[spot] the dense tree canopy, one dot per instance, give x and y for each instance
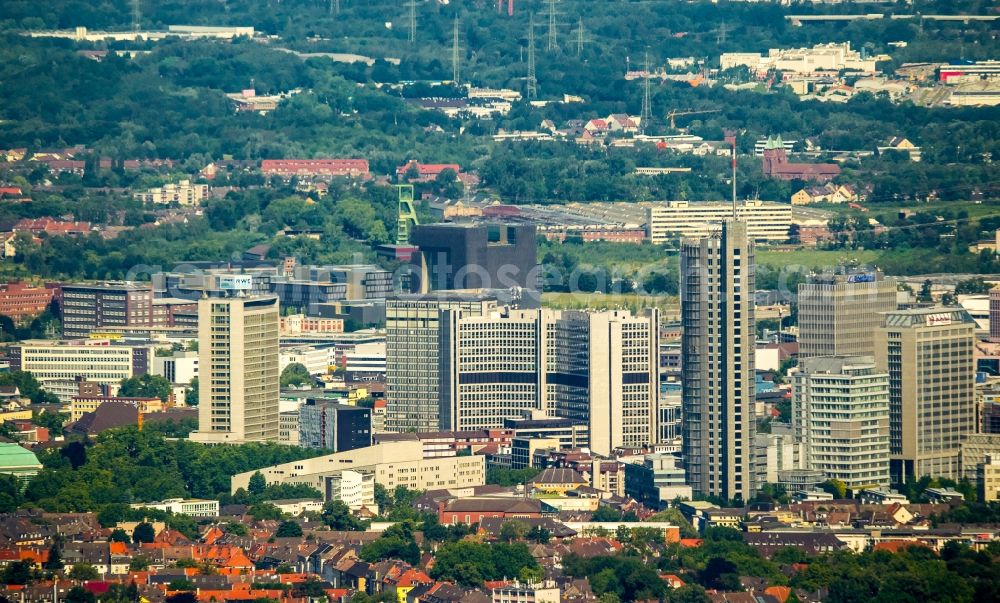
(125, 466)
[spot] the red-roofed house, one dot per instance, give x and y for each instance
(407, 581)
(19, 300)
(597, 126)
(898, 546)
(425, 172)
(316, 168)
(52, 227)
(781, 593)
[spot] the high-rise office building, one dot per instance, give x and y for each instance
(995, 314)
(490, 367)
(116, 304)
(335, 427)
(840, 413)
(928, 354)
(717, 314)
(593, 368)
(238, 369)
(475, 256)
(624, 379)
(839, 313)
(412, 372)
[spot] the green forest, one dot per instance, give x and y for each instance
(168, 102)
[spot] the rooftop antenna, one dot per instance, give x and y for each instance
(734, 176)
(532, 81)
(455, 53)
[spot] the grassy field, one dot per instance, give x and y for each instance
(668, 305)
(813, 258)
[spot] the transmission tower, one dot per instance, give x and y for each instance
(552, 25)
(646, 110)
(334, 7)
(136, 15)
(412, 5)
(720, 38)
(532, 82)
(455, 53)
(579, 37)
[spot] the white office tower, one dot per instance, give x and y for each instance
(929, 354)
(596, 368)
(239, 378)
(717, 314)
(840, 413)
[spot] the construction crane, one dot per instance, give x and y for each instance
(675, 113)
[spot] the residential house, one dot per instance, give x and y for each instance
(828, 193)
(414, 171)
(901, 145)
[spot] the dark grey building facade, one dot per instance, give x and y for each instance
(474, 256)
(336, 427)
(89, 307)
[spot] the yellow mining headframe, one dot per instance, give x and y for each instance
(407, 214)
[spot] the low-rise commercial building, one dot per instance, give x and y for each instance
(96, 360)
(696, 219)
(195, 507)
(18, 462)
(400, 463)
(332, 426)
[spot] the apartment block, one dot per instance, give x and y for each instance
(840, 412)
(764, 221)
(238, 366)
(182, 193)
(928, 354)
(19, 300)
(114, 304)
(839, 313)
(718, 379)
